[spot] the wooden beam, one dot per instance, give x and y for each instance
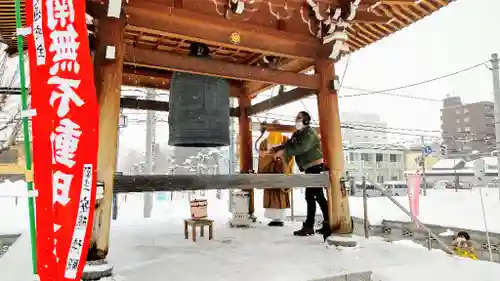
(246, 147)
(150, 183)
(252, 89)
(279, 100)
(215, 30)
(143, 104)
(108, 82)
(367, 17)
(160, 79)
(146, 78)
(331, 144)
(173, 62)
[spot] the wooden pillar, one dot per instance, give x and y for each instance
(331, 142)
(245, 139)
(108, 80)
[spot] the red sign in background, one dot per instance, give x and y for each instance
(65, 135)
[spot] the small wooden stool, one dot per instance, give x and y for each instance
(201, 223)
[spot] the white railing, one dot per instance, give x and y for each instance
(418, 222)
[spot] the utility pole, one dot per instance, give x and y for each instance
(496, 95)
(232, 152)
(422, 163)
(148, 167)
(121, 124)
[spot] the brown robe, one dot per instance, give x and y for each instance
(274, 198)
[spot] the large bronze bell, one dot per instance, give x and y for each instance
(199, 108)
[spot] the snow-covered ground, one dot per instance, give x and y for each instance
(155, 249)
(460, 209)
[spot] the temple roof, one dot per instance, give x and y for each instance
(161, 31)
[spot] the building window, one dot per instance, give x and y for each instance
(466, 110)
(365, 157)
(379, 157)
(458, 121)
(466, 119)
(351, 156)
(467, 129)
(458, 111)
(380, 178)
(393, 158)
(394, 178)
(459, 130)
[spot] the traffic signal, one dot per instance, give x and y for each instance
(444, 149)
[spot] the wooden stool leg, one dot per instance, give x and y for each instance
(186, 235)
(210, 231)
(194, 232)
(202, 231)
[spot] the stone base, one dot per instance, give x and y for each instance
(341, 241)
(353, 276)
(240, 220)
(98, 270)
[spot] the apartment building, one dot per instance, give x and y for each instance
(378, 163)
(370, 128)
(467, 127)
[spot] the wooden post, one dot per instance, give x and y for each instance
(245, 139)
(108, 74)
(331, 142)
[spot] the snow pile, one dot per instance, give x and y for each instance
(13, 218)
(460, 209)
(12, 189)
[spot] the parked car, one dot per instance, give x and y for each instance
(396, 188)
(371, 191)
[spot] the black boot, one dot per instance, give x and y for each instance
(276, 223)
(306, 230)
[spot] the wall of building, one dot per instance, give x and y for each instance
(365, 120)
(467, 126)
(378, 165)
(412, 158)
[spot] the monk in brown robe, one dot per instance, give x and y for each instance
(276, 201)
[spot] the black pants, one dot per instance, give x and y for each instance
(313, 195)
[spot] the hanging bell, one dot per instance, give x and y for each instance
(199, 107)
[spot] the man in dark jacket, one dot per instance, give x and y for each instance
(305, 146)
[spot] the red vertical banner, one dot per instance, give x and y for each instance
(65, 135)
(413, 182)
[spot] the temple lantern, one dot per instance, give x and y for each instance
(199, 107)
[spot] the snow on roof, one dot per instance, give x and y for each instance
(488, 161)
(447, 163)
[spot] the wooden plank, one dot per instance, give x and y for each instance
(193, 26)
(160, 79)
(279, 100)
(146, 79)
(149, 183)
(173, 62)
(143, 104)
(367, 17)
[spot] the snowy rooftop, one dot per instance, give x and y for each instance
(490, 162)
(447, 163)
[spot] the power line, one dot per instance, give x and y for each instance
(370, 92)
(420, 82)
(288, 117)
